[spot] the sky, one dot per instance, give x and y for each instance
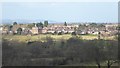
(62, 11)
(59, 0)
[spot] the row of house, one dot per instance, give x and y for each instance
(37, 30)
(55, 29)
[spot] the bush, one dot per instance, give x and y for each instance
(73, 33)
(60, 33)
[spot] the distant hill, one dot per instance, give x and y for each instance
(24, 21)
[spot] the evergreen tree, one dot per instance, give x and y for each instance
(19, 31)
(40, 24)
(14, 23)
(65, 24)
(45, 23)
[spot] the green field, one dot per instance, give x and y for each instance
(42, 37)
